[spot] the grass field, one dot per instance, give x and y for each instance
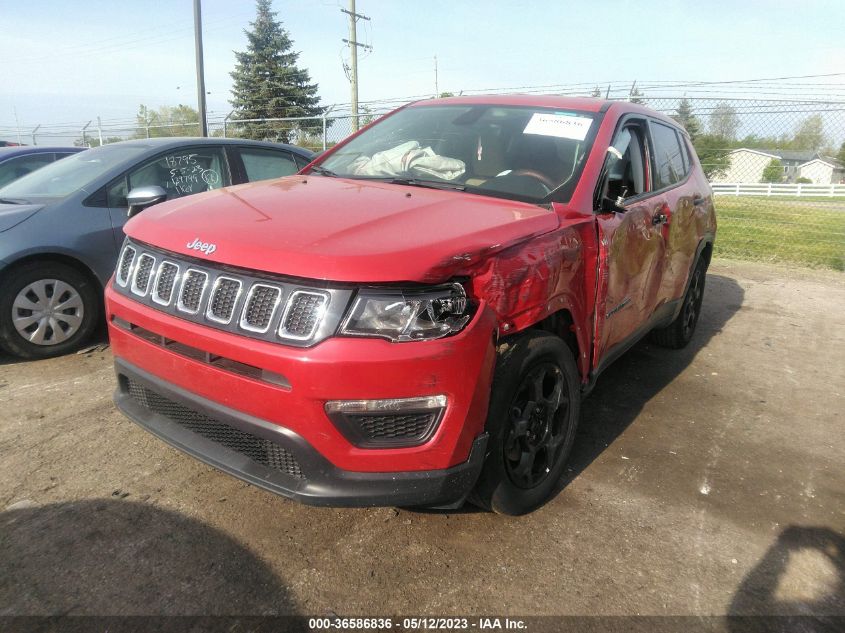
(807, 232)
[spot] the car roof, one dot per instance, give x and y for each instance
(180, 141)
(584, 104)
(23, 150)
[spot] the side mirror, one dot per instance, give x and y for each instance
(142, 197)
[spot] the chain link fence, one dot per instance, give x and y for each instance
(776, 166)
(777, 171)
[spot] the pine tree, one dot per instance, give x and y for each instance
(685, 117)
(635, 96)
(268, 83)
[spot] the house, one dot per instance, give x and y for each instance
(747, 165)
(823, 171)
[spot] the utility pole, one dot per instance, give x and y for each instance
(84, 140)
(436, 87)
(353, 44)
(100, 130)
(17, 124)
(200, 69)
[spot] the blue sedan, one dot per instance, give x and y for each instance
(16, 162)
(62, 225)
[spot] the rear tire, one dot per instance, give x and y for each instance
(46, 309)
(534, 408)
(680, 331)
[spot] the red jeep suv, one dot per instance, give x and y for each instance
(414, 318)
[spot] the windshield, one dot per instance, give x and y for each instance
(70, 174)
(521, 153)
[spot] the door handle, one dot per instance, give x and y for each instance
(659, 218)
(697, 200)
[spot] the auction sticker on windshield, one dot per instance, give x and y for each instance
(560, 125)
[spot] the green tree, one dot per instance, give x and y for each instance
(809, 134)
(713, 153)
(724, 121)
(267, 81)
(180, 120)
(685, 117)
(773, 172)
(635, 96)
(93, 140)
(841, 155)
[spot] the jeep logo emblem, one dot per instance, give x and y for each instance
(204, 247)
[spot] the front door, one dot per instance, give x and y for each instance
(631, 242)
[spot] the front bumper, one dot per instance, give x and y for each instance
(305, 476)
(291, 413)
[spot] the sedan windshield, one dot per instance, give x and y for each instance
(521, 153)
(70, 174)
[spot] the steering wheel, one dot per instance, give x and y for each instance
(536, 175)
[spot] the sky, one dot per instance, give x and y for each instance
(67, 62)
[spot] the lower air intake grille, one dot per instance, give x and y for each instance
(258, 449)
(394, 427)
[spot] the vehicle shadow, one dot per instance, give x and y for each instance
(798, 585)
(627, 385)
(122, 558)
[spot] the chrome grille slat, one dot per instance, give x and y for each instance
(303, 313)
(260, 307)
(165, 282)
(125, 266)
(224, 296)
(191, 293)
(254, 305)
(143, 272)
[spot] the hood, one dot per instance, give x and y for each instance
(339, 229)
(13, 214)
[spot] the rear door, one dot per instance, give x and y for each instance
(631, 241)
(672, 171)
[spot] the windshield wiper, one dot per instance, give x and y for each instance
(429, 184)
(322, 171)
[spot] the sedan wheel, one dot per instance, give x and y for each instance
(46, 309)
(47, 312)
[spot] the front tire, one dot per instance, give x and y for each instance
(534, 408)
(46, 309)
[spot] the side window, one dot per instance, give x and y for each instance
(668, 160)
(14, 168)
(625, 166)
(180, 173)
(262, 164)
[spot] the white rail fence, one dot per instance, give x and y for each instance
(769, 189)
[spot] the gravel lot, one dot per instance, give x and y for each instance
(705, 481)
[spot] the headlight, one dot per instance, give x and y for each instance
(408, 315)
